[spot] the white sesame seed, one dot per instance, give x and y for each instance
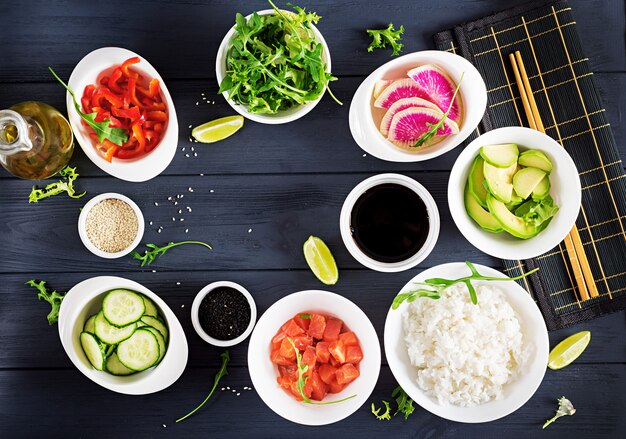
(159, 231)
(189, 126)
(222, 389)
(202, 94)
(182, 219)
(211, 191)
(187, 155)
(213, 102)
(180, 211)
(197, 103)
(183, 148)
(201, 175)
(195, 154)
(227, 388)
(156, 204)
(177, 283)
(204, 99)
(169, 198)
(364, 155)
(164, 426)
(175, 203)
(189, 208)
(238, 394)
(150, 222)
(192, 148)
(249, 230)
(233, 390)
(182, 196)
(154, 271)
(173, 219)
(186, 230)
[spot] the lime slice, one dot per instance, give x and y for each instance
(320, 260)
(568, 350)
(217, 129)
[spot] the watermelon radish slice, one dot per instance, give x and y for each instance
(380, 85)
(438, 86)
(403, 104)
(407, 126)
(400, 89)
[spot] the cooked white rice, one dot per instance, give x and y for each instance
(464, 353)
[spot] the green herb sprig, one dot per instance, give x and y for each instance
(380, 38)
(274, 62)
(102, 129)
(386, 416)
(220, 373)
(566, 408)
(305, 316)
(150, 255)
(66, 184)
(434, 127)
(435, 286)
(302, 377)
(405, 404)
(53, 298)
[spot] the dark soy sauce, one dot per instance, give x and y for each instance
(389, 223)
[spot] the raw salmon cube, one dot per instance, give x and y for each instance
(346, 374)
(327, 373)
(286, 350)
(303, 323)
(292, 329)
(302, 342)
(319, 387)
(353, 354)
(317, 326)
(333, 328)
(322, 352)
(338, 351)
(309, 357)
(349, 338)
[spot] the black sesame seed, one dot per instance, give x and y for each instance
(224, 313)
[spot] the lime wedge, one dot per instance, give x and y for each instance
(217, 129)
(320, 260)
(568, 350)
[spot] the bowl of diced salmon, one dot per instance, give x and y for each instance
(314, 357)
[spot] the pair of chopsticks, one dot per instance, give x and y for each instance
(575, 250)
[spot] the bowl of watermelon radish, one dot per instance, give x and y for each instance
(514, 193)
(314, 357)
(418, 106)
(122, 336)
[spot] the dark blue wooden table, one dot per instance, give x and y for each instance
(256, 197)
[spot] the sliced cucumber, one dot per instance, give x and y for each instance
(500, 181)
(89, 327)
(161, 340)
(140, 351)
(542, 190)
(93, 350)
(526, 180)
(480, 215)
(122, 307)
(110, 334)
(476, 179)
(500, 156)
(535, 159)
(115, 366)
(156, 324)
(151, 309)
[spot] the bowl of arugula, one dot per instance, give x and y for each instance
(273, 66)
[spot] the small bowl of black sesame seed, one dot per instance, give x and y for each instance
(223, 313)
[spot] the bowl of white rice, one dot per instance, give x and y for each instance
(468, 362)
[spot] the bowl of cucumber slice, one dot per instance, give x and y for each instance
(122, 336)
(514, 193)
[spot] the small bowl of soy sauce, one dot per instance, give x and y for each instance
(389, 223)
(223, 313)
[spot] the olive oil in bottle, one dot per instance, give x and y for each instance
(36, 141)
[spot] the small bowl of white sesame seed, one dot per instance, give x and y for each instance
(110, 225)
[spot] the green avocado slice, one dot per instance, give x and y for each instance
(484, 219)
(476, 179)
(535, 159)
(509, 222)
(500, 181)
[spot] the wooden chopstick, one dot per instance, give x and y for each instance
(575, 250)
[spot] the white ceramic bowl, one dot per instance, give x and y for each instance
(346, 232)
(264, 373)
(140, 169)
(85, 299)
(286, 116)
(82, 228)
(516, 393)
(366, 132)
(565, 191)
(196, 321)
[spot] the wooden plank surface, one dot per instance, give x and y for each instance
(262, 193)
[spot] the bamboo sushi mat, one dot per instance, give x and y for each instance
(570, 108)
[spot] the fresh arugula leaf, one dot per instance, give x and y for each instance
(53, 298)
(535, 213)
(434, 127)
(150, 255)
(220, 374)
(102, 129)
(566, 408)
(69, 175)
(274, 62)
(386, 416)
(302, 377)
(380, 38)
(405, 404)
(436, 285)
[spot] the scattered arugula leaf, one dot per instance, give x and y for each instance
(405, 404)
(434, 286)
(302, 377)
(220, 373)
(53, 298)
(566, 408)
(66, 184)
(386, 416)
(380, 38)
(535, 213)
(305, 316)
(150, 255)
(434, 127)
(102, 129)
(274, 62)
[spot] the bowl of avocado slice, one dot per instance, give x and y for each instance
(514, 193)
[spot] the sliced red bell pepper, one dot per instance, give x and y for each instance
(115, 76)
(104, 97)
(158, 116)
(126, 64)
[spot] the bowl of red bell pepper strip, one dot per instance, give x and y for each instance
(128, 126)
